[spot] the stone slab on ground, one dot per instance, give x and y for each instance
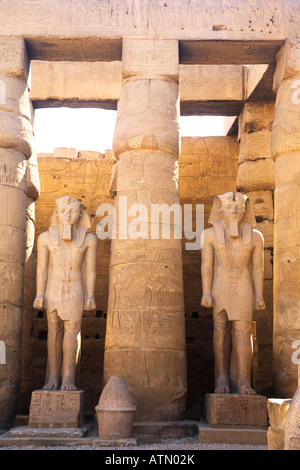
(26, 432)
(24, 436)
(236, 410)
(147, 432)
(232, 435)
(157, 434)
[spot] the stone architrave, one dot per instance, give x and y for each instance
(232, 278)
(285, 145)
(15, 149)
(66, 276)
(145, 335)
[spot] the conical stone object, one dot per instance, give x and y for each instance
(115, 410)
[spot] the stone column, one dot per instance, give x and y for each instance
(145, 338)
(256, 179)
(15, 148)
(286, 154)
(33, 192)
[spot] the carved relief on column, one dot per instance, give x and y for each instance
(286, 153)
(145, 338)
(15, 148)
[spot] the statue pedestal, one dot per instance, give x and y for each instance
(234, 419)
(56, 409)
(236, 410)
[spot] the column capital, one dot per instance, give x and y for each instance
(150, 58)
(14, 58)
(287, 63)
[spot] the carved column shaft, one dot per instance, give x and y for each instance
(145, 339)
(286, 153)
(256, 179)
(15, 148)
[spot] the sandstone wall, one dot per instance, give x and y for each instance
(207, 166)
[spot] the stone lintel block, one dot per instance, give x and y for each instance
(288, 63)
(202, 82)
(86, 81)
(14, 58)
(236, 410)
(150, 58)
(56, 409)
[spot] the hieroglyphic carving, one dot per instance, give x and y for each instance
(8, 55)
(56, 409)
(161, 58)
(236, 410)
(12, 175)
(142, 15)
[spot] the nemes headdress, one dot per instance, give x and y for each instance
(247, 222)
(83, 224)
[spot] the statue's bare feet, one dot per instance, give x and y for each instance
(52, 383)
(68, 385)
(222, 385)
(245, 389)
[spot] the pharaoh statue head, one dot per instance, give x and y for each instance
(232, 210)
(69, 214)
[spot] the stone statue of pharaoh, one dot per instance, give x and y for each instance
(232, 279)
(66, 276)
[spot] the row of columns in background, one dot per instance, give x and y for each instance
(145, 341)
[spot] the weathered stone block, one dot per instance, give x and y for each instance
(152, 58)
(256, 117)
(244, 410)
(255, 146)
(56, 409)
(13, 57)
(256, 175)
